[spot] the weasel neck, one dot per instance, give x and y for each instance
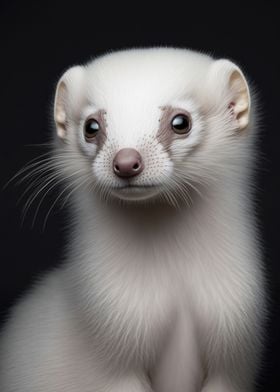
(105, 230)
(133, 223)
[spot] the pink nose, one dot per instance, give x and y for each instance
(127, 163)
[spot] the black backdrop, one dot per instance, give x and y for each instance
(39, 40)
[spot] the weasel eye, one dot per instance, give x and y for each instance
(181, 124)
(91, 128)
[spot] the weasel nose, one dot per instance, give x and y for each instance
(127, 163)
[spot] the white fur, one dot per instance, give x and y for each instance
(162, 291)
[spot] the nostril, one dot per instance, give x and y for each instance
(136, 166)
(116, 167)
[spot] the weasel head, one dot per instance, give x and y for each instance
(146, 124)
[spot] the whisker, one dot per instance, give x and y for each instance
(45, 167)
(24, 168)
(56, 160)
(80, 183)
(47, 144)
(48, 191)
(34, 174)
(37, 181)
(37, 191)
(88, 178)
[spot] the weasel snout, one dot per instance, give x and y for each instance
(128, 163)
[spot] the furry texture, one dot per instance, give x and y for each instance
(163, 286)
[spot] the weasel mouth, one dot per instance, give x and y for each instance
(130, 186)
(135, 192)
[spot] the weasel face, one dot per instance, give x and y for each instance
(147, 123)
(131, 153)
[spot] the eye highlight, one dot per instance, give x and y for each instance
(91, 129)
(181, 124)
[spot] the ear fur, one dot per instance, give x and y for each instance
(233, 90)
(67, 95)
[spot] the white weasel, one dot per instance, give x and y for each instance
(163, 287)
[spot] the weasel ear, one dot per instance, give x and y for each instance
(234, 90)
(67, 96)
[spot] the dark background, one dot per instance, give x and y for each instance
(39, 40)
